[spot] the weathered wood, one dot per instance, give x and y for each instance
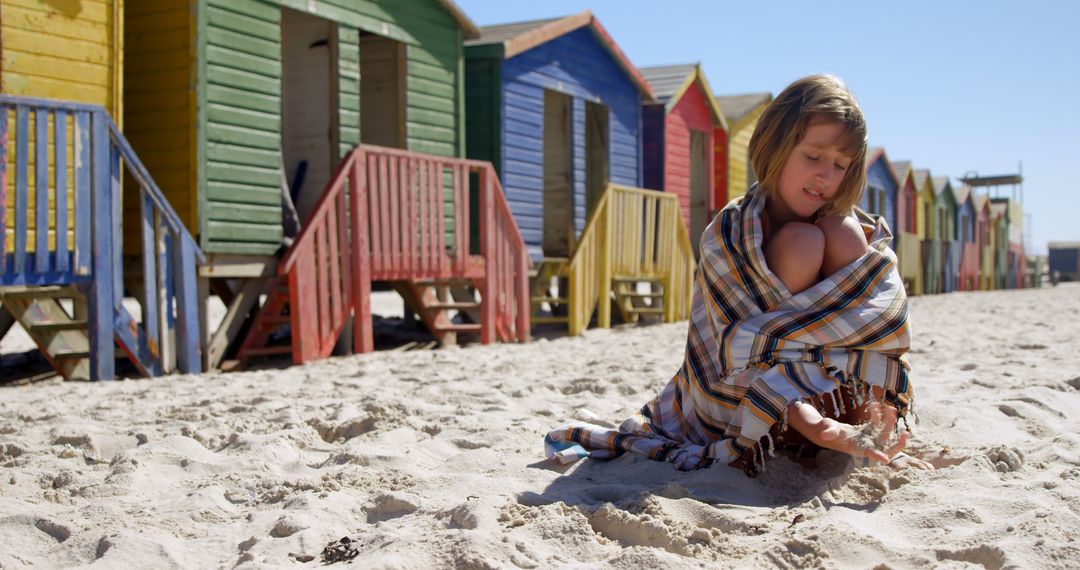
(60, 183)
(363, 337)
(22, 149)
(101, 289)
(83, 187)
(3, 188)
(236, 313)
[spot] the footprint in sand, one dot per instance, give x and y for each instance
(989, 557)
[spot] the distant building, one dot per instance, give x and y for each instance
(1065, 260)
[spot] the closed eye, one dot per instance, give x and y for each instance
(813, 158)
(841, 167)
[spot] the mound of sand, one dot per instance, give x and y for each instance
(429, 459)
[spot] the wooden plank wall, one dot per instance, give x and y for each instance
(242, 67)
(482, 110)
(740, 172)
(63, 50)
(58, 51)
(240, 153)
(159, 105)
(578, 65)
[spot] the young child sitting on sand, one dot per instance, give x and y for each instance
(799, 318)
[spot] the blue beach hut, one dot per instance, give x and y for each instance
(556, 106)
(879, 197)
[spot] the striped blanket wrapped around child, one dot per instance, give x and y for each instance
(752, 348)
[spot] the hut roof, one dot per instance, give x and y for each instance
(1064, 245)
(670, 82)
(736, 107)
(962, 193)
(921, 174)
(463, 21)
(941, 183)
(902, 168)
(876, 153)
(518, 37)
(979, 200)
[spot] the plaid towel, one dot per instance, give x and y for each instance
(752, 348)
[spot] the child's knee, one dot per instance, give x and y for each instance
(795, 254)
(844, 241)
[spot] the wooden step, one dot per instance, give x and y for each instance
(646, 310)
(458, 328)
(71, 354)
(56, 326)
(452, 305)
(544, 320)
(637, 295)
(50, 291)
(536, 300)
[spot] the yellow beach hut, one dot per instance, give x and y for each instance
(741, 113)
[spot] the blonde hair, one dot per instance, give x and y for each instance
(813, 99)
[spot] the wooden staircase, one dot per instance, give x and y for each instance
(62, 338)
(546, 292)
(405, 218)
(634, 238)
(448, 307)
(635, 305)
(66, 242)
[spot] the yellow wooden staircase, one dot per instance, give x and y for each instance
(634, 254)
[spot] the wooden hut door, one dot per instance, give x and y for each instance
(597, 151)
(558, 203)
(308, 106)
(382, 91)
(699, 187)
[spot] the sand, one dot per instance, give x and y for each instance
(431, 459)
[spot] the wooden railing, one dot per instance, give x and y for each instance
(76, 155)
(632, 233)
(909, 250)
(392, 215)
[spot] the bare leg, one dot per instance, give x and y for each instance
(846, 438)
(794, 254)
(844, 242)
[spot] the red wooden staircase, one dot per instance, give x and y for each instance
(401, 217)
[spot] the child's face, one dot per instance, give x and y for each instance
(813, 172)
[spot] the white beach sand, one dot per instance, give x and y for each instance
(432, 459)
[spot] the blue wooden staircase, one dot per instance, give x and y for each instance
(61, 246)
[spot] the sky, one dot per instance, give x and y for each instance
(959, 87)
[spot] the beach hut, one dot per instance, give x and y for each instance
(63, 273)
(983, 228)
(252, 112)
(557, 107)
(679, 132)
(882, 185)
(966, 230)
(1017, 257)
(1010, 250)
(907, 242)
(929, 231)
(1064, 260)
(999, 222)
(742, 113)
(952, 250)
